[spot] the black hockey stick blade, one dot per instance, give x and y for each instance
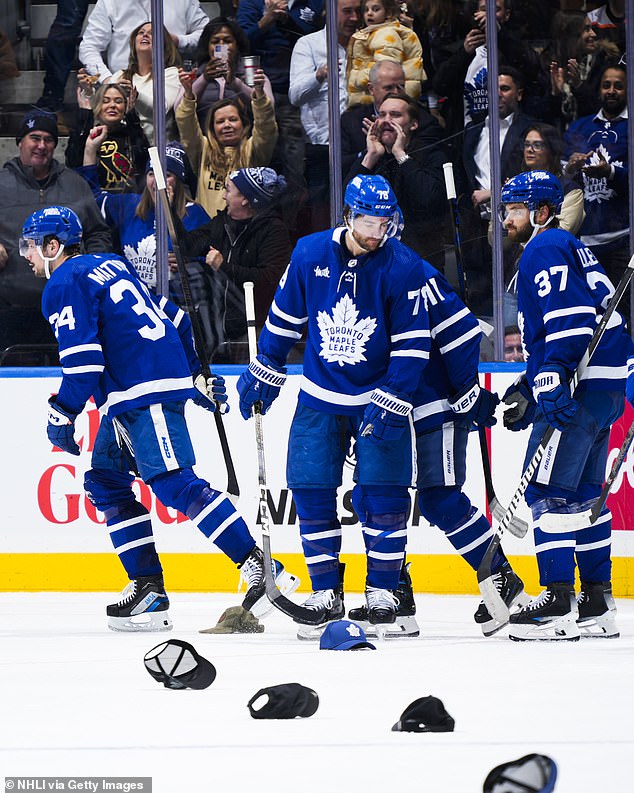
(616, 467)
(233, 488)
(517, 527)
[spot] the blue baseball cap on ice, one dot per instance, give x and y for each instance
(344, 635)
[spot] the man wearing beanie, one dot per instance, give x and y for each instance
(28, 182)
(246, 241)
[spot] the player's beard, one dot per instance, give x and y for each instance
(368, 244)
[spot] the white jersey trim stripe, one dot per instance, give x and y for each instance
(430, 408)
(82, 369)
(411, 334)
(333, 397)
(388, 534)
(143, 389)
(208, 509)
(386, 557)
(552, 546)
(324, 557)
(460, 340)
(446, 323)
(290, 334)
(80, 348)
(605, 373)
(568, 312)
(224, 525)
(288, 317)
(322, 535)
(591, 546)
(566, 334)
(409, 354)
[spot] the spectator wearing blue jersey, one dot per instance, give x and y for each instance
(134, 354)
(355, 291)
(596, 156)
(132, 217)
(562, 291)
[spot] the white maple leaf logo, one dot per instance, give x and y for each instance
(344, 336)
(598, 189)
(143, 259)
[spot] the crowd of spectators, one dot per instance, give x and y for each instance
(247, 93)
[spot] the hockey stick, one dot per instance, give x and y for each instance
(616, 467)
(517, 527)
(450, 187)
(199, 340)
(294, 610)
(494, 603)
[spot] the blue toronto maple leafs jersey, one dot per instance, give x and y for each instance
(365, 320)
(116, 343)
(455, 352)
(562, 291)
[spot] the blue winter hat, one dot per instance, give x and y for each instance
(258, 185)
(344, 635)
(40, 121)
(175, 158)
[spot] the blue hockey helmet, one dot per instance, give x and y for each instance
(533, 188)
(54, 221)
(369, 194)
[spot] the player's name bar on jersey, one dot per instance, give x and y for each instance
(92, 784)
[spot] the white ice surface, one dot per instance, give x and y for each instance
(75, 699)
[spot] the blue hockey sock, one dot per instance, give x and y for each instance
(320, 532)
(385, 537)
(210, 510)
(554, 535)
(130, 530)
(593, 549)
(466, 528)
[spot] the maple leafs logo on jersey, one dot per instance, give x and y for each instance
(344, 335)
(143, 258)
(598, 189)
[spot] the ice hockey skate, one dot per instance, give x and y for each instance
(597, 611)
(405, 624)
(551, 616)
(252, 574)
(142, 606)
(511, 589)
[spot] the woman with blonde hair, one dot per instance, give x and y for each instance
(138, 75)
(228, 141)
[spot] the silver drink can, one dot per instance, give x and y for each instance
(250, 63)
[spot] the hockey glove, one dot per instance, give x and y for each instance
(476, 404)
(261, 382)
(552, 394)
(629, 384)
(61, 427)
(386, 416)
(520, 410)
(211, 393)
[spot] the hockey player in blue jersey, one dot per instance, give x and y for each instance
(134, 354)
(448, 402)
(562, 291)
(357, 293)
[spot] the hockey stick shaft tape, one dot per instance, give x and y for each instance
(156, 167)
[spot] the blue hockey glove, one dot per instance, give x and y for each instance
(629, 384)
(61, 427)
(386, 416)
(476, 404)
(520, 410)
(211, 394)
(552, 394)
(261, 382)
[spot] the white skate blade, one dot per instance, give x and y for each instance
(602, 627)
(553, 630)
(403, 628)
(148, 622)
(310, 633)
(493, 626)
(286, 582)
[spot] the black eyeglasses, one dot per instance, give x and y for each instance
(534, 145)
